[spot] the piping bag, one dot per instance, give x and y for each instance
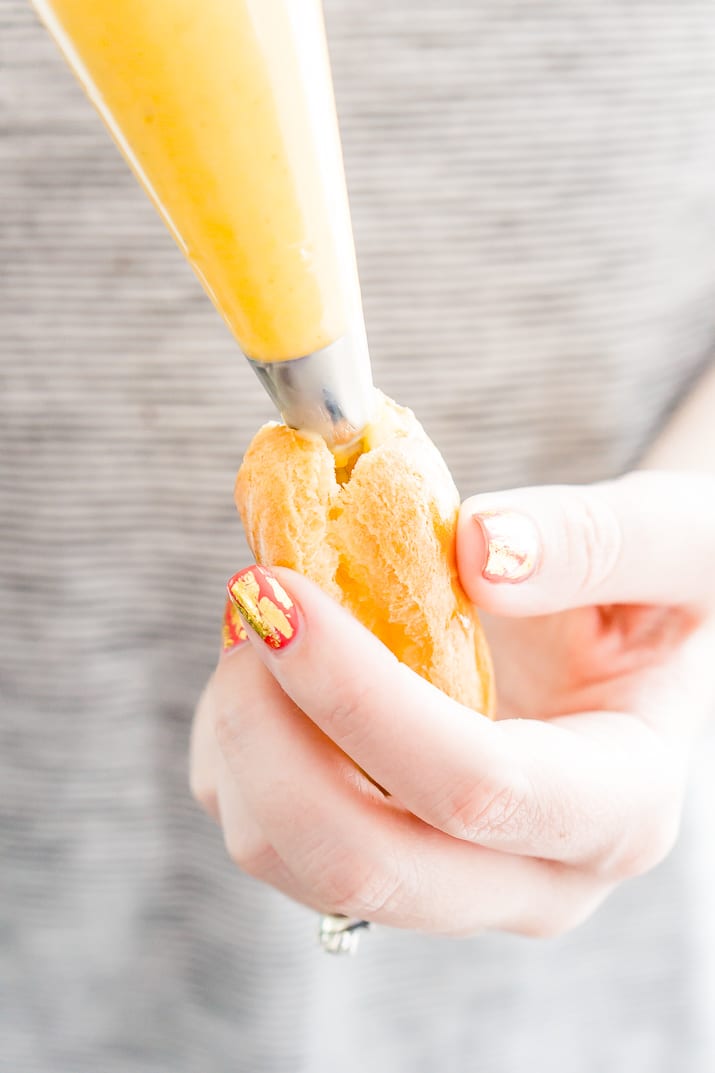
(224, 110)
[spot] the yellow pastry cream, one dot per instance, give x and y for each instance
(224, 110)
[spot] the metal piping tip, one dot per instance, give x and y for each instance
(329, 392)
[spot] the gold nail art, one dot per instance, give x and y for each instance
(233, 631)
(265, 605)
(512, 545)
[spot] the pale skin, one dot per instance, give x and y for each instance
(605, 662)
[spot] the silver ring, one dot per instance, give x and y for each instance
(338, 934)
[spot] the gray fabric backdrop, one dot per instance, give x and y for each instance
(533, 189)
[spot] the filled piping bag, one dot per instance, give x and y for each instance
(224, 110)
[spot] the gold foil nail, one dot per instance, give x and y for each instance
(513, 545)
(265, 605)
(233, 631)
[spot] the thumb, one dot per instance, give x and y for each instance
(647, 538)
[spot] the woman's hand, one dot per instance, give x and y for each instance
(600, 602)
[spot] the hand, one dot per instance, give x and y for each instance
(605, 670)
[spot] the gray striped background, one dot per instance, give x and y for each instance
(533, 189)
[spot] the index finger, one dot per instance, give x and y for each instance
(588, 789)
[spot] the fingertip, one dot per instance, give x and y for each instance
(471, 553)
(233, 630)
(267, 610)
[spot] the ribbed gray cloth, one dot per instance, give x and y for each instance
(533, 191)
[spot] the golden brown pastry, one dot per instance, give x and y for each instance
(381, 542)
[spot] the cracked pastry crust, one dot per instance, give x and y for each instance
(381, 541)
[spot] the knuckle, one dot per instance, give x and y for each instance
(651, 847)
(660, 808)
(563, 914)
(345, 712)
(227, 729)
(253, 855)
(540, 928)
(476, 812)
(351, 698)
(357, 888)
(594, 540)
(204, 793)
(551, 925)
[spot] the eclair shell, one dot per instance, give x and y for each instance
(382, 543)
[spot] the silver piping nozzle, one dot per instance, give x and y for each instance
(329, 392)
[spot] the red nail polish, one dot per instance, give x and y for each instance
(233, 630)
(264, 605)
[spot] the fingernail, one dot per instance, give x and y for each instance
(233, 631)
(264, 605)
(512, 545)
